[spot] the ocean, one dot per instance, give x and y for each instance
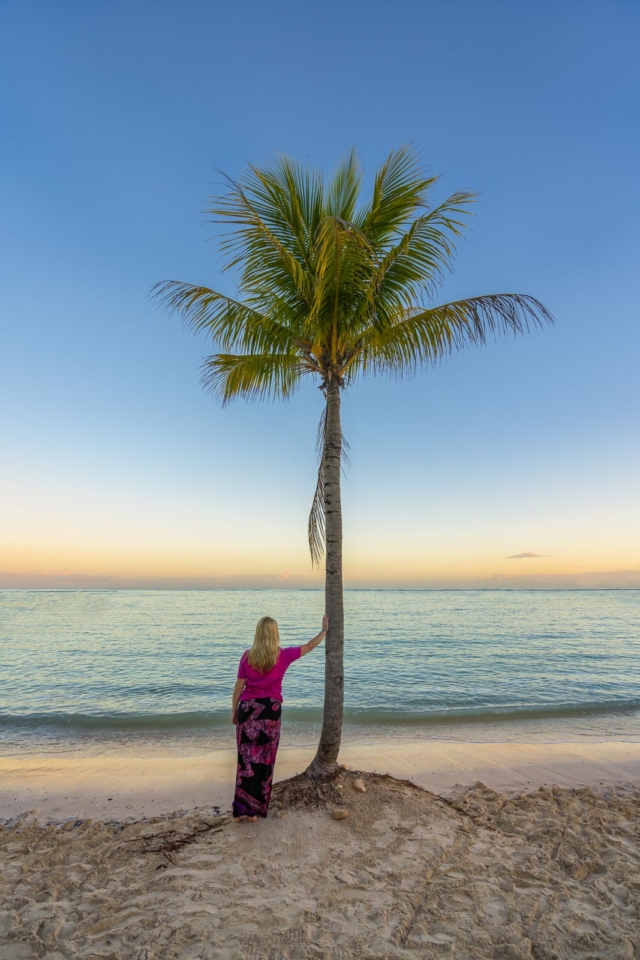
(95, 672)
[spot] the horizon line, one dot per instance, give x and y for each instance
(492, 589)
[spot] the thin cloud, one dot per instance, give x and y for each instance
(527, 556)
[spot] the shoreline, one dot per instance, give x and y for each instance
(111, 787)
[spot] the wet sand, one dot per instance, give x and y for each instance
(121, 787)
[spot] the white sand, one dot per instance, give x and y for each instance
(121, 787)
(554, 875)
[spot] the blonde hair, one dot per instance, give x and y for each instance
(266, 646)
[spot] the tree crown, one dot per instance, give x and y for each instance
(334, 286)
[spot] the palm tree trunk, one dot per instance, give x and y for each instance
(325, 762)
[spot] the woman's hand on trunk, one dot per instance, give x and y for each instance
(312, 644)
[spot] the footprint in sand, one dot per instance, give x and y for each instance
(496, 908)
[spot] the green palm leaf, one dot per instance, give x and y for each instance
(253, 376)
(424, 336)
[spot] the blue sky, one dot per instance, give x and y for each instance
(118, 468)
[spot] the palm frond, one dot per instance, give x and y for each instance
(317, 520)
(416, 264)
(231, 323)
(342, 193)
(414, 267)
(400, 189)
(267, 255)
(343, 267)
(273, 376)
(473, 320)
(425, 336)
(290, 198)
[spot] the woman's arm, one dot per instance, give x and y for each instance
(237, 690)
(312, 644)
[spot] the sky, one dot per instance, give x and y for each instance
(512, 465)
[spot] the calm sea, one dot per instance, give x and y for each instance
(147, 671)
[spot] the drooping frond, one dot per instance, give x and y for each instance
(317, 521)
(254, 376)
(474, 320)
(316, 525)
(424, 336)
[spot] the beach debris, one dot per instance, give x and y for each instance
(359, 786)
(171, 841)
(339, 788)
(339, 814)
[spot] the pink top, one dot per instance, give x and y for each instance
(266, 684)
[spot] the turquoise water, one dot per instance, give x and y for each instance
(96, 671)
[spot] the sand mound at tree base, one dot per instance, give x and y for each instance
(553, 874)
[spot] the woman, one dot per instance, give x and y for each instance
(255, 712)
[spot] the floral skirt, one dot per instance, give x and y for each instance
(257, 736)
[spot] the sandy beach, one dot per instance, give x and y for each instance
(139, 858)
(322, 407)
(118, 787)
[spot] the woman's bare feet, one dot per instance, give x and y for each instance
(245, 819)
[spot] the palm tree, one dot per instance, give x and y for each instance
(331, 289)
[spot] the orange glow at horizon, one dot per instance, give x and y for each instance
(141, 529)
(185, 563)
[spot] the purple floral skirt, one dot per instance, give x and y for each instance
(257, 736)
